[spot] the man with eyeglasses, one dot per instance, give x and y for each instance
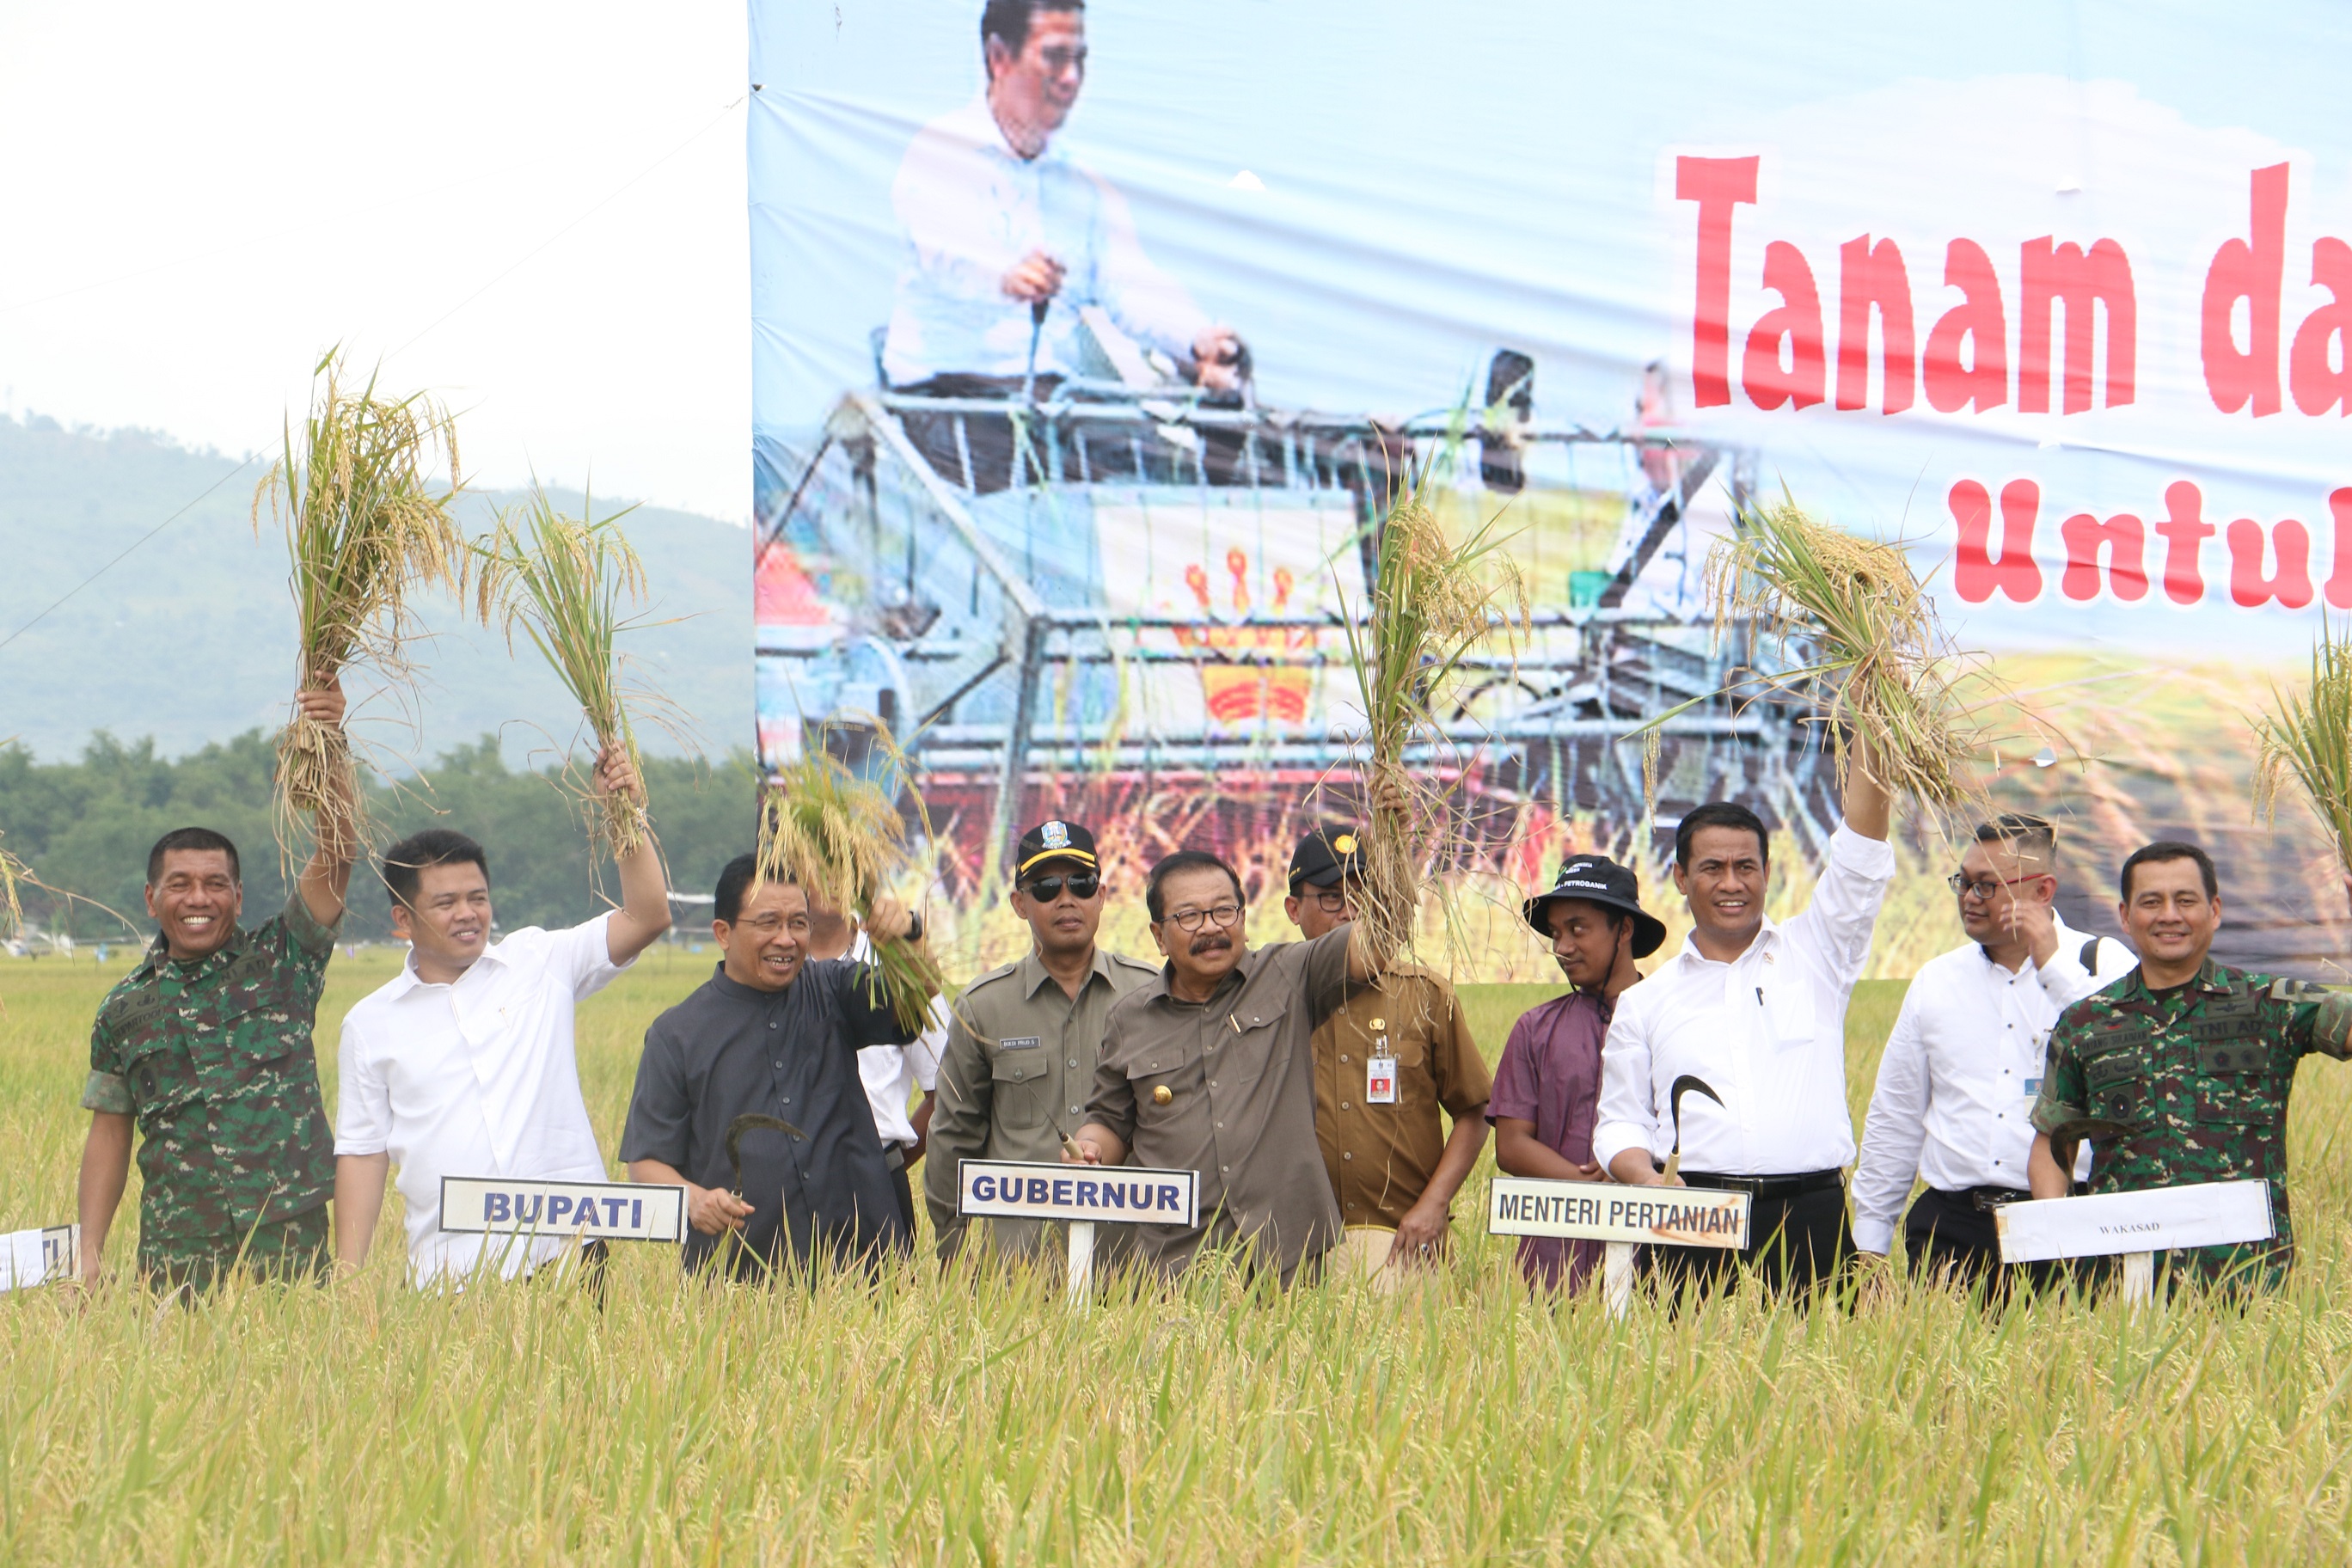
(1211, 1068)
(1385, 1061)
(1963, 1065)
(1024, 1039)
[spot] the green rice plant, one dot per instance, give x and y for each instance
(1432, 603)
(2308, 734)
(365, 526)
(840, 839)
(562, 580)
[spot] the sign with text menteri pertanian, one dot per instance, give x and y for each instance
(1605, 1211)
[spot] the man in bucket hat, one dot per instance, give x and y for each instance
(1385, 1062)
(1548, 1084)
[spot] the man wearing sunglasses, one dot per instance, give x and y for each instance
(1211, 1068)
(1963, 1066)
(1385, 1062)
(1023, 1039)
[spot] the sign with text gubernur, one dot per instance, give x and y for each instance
(1604, 1211)
(1008, 1189)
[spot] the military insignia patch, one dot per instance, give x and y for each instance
(1345, 843)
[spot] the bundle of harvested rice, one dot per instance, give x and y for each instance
(1894, 679)
(2309, 734)
(841, 840)
(364, 526)
(1433, 603)
(13, 871)
(561, 580)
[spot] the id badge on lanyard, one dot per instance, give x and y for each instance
(1380, 1069)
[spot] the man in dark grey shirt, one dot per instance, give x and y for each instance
(773, 1033)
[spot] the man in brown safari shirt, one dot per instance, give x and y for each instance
(1210, 1067)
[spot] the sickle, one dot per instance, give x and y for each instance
(1689, 1083)
(742, 1124)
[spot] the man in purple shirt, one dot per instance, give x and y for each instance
(1548, 1086)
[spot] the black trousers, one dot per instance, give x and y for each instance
(1949, 1238)
(904, 1190)
(1797, 1245)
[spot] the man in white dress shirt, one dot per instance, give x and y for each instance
(1007, 237)
(463, 1065)
(1962, 1068)
(1755, 1010)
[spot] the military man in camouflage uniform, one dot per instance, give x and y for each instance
(205, 1047)
(2180, 1071)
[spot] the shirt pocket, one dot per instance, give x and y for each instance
(1019, 1081)
(1790, 1015)
(2115, 1084)
(162, 1081)
(2235, 1086)
(1174, 1068)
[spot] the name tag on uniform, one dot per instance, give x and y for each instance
(1021, 1043)
(1380, 1080)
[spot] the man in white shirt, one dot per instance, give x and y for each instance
(1007, 237)
(893, 1075)
(1756, 1011)
(463, 1065)
(1963, 1066)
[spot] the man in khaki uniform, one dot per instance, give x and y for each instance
(1384, 1063)
(1210, 1068)
(1023, 1039)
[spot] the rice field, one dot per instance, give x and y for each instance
(969, 1419)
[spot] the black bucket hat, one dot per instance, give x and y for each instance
(1598, 879)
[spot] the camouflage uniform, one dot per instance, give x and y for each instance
(2192, 1086)
(213, 1059)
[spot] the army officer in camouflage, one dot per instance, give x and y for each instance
(1024, 1039)
(205, 1048)
(2180, 1071)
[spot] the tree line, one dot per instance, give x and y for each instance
(84, 828)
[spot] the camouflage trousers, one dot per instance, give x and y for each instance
(294, 1248)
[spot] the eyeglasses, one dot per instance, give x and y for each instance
(1984, 888)
(1330, 900)
(1189, 921)
(1045, 889)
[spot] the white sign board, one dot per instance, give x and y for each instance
(1602, 1211)
(1007, 1189)
(614, 1211)
(2211, 1214)
(30, 1258)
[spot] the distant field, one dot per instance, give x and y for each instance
(971, 1420)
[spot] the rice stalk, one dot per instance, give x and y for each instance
(841, 840)
(13, 872)
(562, 580)
(2308, 734)
(1432, 603)
(364, 529)
(1894, 681)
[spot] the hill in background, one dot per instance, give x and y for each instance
(190, 639)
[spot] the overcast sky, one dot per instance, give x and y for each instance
(536, 209)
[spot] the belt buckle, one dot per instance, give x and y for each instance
(1988, 1199)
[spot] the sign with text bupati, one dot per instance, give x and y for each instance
(614, 1211)
(2208, 1214)
(1604, 1211)
(39, 1256)
(1008, 1189)
(1083, 352)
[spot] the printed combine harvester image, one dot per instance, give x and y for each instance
(1083, 595)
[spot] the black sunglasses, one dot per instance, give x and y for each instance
(1045, 889)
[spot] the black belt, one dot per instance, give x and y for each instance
(1984, 1200)
(894, 1156)
(1768, 1187)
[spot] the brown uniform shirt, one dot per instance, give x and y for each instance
(1019, 1065)
(1240, 1072)
(1381, 1157)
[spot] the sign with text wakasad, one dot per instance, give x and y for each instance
(30, 1258)
(2209, 1213)
(614, 1211)
(1600, 1210)
(1008, 1189)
